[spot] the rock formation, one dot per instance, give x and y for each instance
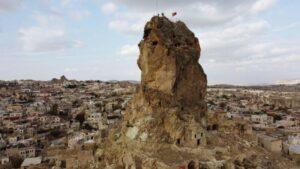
(62, 79)
(169, 55)
(169, 106)
(164, 127)
(168, 112)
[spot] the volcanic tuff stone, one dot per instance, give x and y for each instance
(169, 54)
(169, 106)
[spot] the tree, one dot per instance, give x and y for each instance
(16, 161)
(222, 105)
(277, 117)
(54, 109)
(55, 133)
(6, 166)
(87, 126)
(80, 117)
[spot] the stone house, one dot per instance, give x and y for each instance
(13, 139)
(288, 121)
(2, 143)
(43, 119)
(15, 115)
(28, 162)
(26, 152)
(195, 136)
(55, 119)
(4, 160)
(94, 117)
(75, 139)
(272, 144)
(291, 147)
(262, 119)
(243, 128)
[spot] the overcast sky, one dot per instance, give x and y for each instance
(242, 41)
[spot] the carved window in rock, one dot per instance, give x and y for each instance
(191, 165)
(178, 141)
(177, 44)
(215, 127)
(154, 43)
(147, 32)
(208, 128)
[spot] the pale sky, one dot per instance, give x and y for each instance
(242, 41)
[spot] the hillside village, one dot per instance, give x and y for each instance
(59, 123)
(271, 117)
(38, 118)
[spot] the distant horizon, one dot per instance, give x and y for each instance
(109, 80)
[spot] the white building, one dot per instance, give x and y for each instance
(292, 146)
(31, 162)
(288, 121)
(94, 117)
(262, 119)
(4, 160)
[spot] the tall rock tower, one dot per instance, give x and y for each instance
(169, 55)
(169, 106)
(168, 113)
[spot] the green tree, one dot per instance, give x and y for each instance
(16, 161)
(80, 117)
(54, 109)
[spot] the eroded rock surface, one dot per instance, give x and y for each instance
(169, 55)
(169, 107)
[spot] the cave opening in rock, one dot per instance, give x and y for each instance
(154, 43)
(147, 32)
(191, 165)
(215, 127)
(198, 142)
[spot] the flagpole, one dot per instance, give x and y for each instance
(156, 6)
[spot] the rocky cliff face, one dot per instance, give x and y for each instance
(169, 107)
(169, 55)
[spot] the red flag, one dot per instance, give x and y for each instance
(174, 13)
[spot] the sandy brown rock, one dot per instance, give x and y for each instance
(169, 55)
(169, 107)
